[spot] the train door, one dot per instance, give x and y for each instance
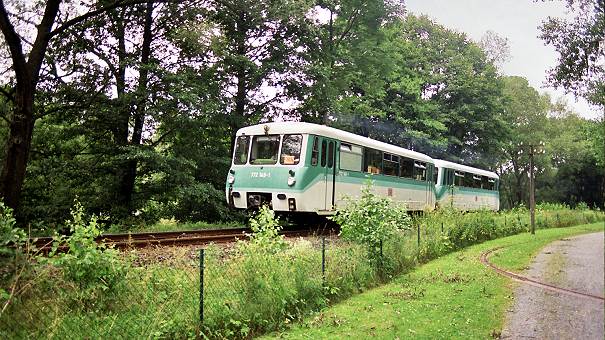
(429, 184)
(328, 164)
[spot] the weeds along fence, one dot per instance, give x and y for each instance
(228, 292)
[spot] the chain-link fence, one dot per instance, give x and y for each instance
(232, 291)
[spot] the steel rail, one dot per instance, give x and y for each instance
(532, 282)
(182, 238)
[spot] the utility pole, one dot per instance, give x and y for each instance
(533, 149)
(532, 191)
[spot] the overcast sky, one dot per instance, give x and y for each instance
(516, 20)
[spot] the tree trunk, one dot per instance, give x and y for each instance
(238, 119)
(129, 174)
(27, 73)
(17, 148)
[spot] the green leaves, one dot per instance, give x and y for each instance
(265, 236)
(578, 41)
(94, 268)
(371, 219)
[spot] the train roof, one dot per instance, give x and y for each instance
(322, 130)
(441, 163)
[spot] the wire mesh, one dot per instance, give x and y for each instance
(246, 289)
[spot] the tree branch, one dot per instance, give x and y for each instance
(14, 44)
(116, 4)
(350, 23)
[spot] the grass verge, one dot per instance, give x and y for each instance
(452, 297)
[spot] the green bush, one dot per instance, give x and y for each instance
(370, 220)
(96, 270)
(11, 237)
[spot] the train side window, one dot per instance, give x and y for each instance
(420, 171)
(468, 180)
(485, 183)
(407, 167)
(331, 155)
(476, 181)
(290, 149)
(435, 173)
(492, 184)
(323, 152)
(391, 164)
(351, 157)
(373, 161)
(315, 151)
(459, 178)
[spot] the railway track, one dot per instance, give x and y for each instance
(186, 238)
(532, 282)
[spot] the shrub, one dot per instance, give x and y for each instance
(11, 237)
(95, 269)
(265, 236)
(370, 220)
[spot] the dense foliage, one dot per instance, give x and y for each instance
(132, 107)
(257, 286)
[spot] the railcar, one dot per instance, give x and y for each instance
(308, 168)
(466, 188)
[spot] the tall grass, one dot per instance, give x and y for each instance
(248, 288)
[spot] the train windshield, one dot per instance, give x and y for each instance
(290, 149)
(241, 150)
(264, 149)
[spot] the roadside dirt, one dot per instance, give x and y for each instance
(575, 263)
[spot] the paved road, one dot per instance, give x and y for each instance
(576, 263)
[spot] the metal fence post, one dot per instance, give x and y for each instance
(504, 221)
(202, 285)
(323, 261)
(558, 220)
(442, 227)
(381, 263)
(419, 235)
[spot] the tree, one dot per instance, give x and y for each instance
(253, 52)
(496, 48)
(26, 67)
(580, 43)
(342, 57)
(130, 50)
(437, 93)
(574, 176)
(526, 113)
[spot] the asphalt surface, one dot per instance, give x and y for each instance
(576, 263)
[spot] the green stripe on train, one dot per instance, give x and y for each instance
(275, 178)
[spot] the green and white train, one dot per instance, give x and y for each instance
(309, 168)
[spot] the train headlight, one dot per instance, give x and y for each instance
(230, 179)
(291, 181)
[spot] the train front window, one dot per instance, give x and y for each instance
(240, 155)
(290, 149)
(264, 149)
